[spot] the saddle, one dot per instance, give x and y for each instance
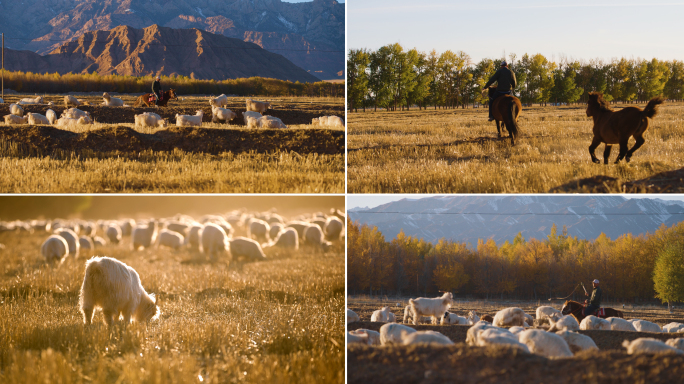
(151, 99)
(601, 312)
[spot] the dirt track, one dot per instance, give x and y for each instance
(45, 139)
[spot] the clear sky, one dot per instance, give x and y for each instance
(576, 29)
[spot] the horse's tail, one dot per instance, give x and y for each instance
(651, 108)
(512, 112)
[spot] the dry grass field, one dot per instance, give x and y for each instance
(457, 151)
(113, 155)
(278, 321)
(461, 363)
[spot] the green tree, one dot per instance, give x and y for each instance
(357, 77)
(668, 274)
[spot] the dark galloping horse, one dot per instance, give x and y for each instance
(505, 110)
(612, 127)
(576, 309)
(148, 98)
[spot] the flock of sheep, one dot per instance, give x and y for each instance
(511, 327)
(73, 116)
(115, 287)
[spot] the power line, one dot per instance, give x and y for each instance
(520, 214)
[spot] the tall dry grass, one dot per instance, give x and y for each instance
(457, 151)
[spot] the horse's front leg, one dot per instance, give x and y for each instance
(639, 142)
(606, 153)
(623, 150)
(594, 144)
(498, 129)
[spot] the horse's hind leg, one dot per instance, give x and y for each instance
(606, 153)
(639, 142)
(498, 128)
(594, 143)
(623, 149)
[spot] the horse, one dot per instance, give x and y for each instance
(576, 310)
(505, 110)
(612, 127)
(148, 98)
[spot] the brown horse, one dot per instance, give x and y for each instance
(148, 98)
(505, 110)
(612, 127)
(576, 310)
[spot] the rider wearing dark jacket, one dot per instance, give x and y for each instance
(156, 89)
(595, 300)
(505, 79)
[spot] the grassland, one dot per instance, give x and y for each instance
(457, 151)
(300, 159)
(278, 321)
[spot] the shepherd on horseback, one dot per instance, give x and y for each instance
(594, 303)
(505, 79)
(156, 89)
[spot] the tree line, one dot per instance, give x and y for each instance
(27, 82)
(522, 269)
(393, 78)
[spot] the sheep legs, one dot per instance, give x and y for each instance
(88, 315)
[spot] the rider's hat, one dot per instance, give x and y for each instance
(157, 77)
(595, 281)
(504, 63)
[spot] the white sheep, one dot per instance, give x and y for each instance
(67, 122)
(392, 333)
(244, 248)
(673, 327)
(29, 101)
(16, 110)
(110, 101)
(299, 226)
(425, 337)
(71, 238)
(497, 336)
(75, 113)
(352, 316)
(37, 118)
(676, 343)
(373, 336)
(563, 323)
(332, 121)
(452, 318)
(391, 318)
(51, 116)
(193, 237)
(333, 228)
(545, 343)
(115, 287)
(86, 242)
(313, 235)
(594, 323)
(70, 100)
(433, 307)
(509, 316)
(251, 119)
(576, 341)
(474, 331)
(219, 114)
(381, 315)
(516, 329)
(650, 346)
(190, 121)
(54, 248)
(258, 229)
(113, 233)
(14, 119)
(257, 106)
(219, 101)
(645, 326)
(275, 229)
(359, 338)
(618, 324)
(287, 238)
(545, 311)
(99, 242)
(143, 236)
(213, 240)
(529, 320)
(170, 239)
(150, 119)
(267, 121)
(178, 227)
(473, 318)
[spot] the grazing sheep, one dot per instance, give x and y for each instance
(16, 110)
(115, 287)
(676, 343)
(391, 318)
(270, 122)
(352, 316)
(244, 248)
(516, 329)
(99, 242)
(474, 331)
(381, 315)
(592, 322)
(576, 341)
(452, 318)
(178, 227)
(219, 114)
(71, 238)
(127, 226)
(75, 113)
(313, 235)
(497, 336)
(67, 122)
(373, 336)
(433, 307)
(54, 248)
(333, 228)
(258, 229)
(618, 324)
(190, 121)
(194, 236)
(70, 100)
(14, 119)
(529, 320)
(257, 106)
(213, 240)
(143, 236)
(37, 118)
(673, 327)
(392, 333)
(219, 101)
(650, 346)
(251, 119)
(150, 119)
(645, 326)
(425, 337)
(51, 116)
(275, 229)
(563, 323)
(170, 239)
(287, 238)
(332, 121)
(86, 242)
(509, 317)
(545, 343)
(544, 311)
(29, 101)
(299, 226)
(113, 233)
(111, 101)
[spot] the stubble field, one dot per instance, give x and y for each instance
(457, 151)
(113, 155)
(277, 321)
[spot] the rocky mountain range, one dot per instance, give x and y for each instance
(469, 218)
(310, 34)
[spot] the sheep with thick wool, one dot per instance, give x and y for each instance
(576, 341)
(219, 114)
(113, 233)
(220, 101)
(71, 238)
(30, 101)
(14, 119)
(150, 119)
(213, 241)
(37, 118)
(193, 237)
(71, 101)
(381, 315)
(51, 116)
(497, 336)
(373, 337)
(54, 248)
(474, 331)
(257, 106)
(85, 242)
(676, 343)
(242, 248)
(352, 316)
(509, 316)
(99, 242)
(650, 346)
(330, 121)
(16, 110)
(645, 326)
(143, 236)
(432, 307)
(592, 322)
(258, 229)
(673, 327)
(333, 228)
(545, 311)
(115, 287)
(67, 122)
(618, 324)
(561, 323)
(170, 239)
(452, 318)
(425, 337)
(75, 113)
(392, 333)
(287, 238)
(545, 343)
(110, 101)
(190, 121)
(275, 229)
(251, 119)
(267, 121)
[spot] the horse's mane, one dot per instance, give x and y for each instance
(596, 101)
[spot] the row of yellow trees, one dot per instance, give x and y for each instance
(522, 269)
(27, 82)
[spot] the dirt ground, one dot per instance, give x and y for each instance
(464, 364)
